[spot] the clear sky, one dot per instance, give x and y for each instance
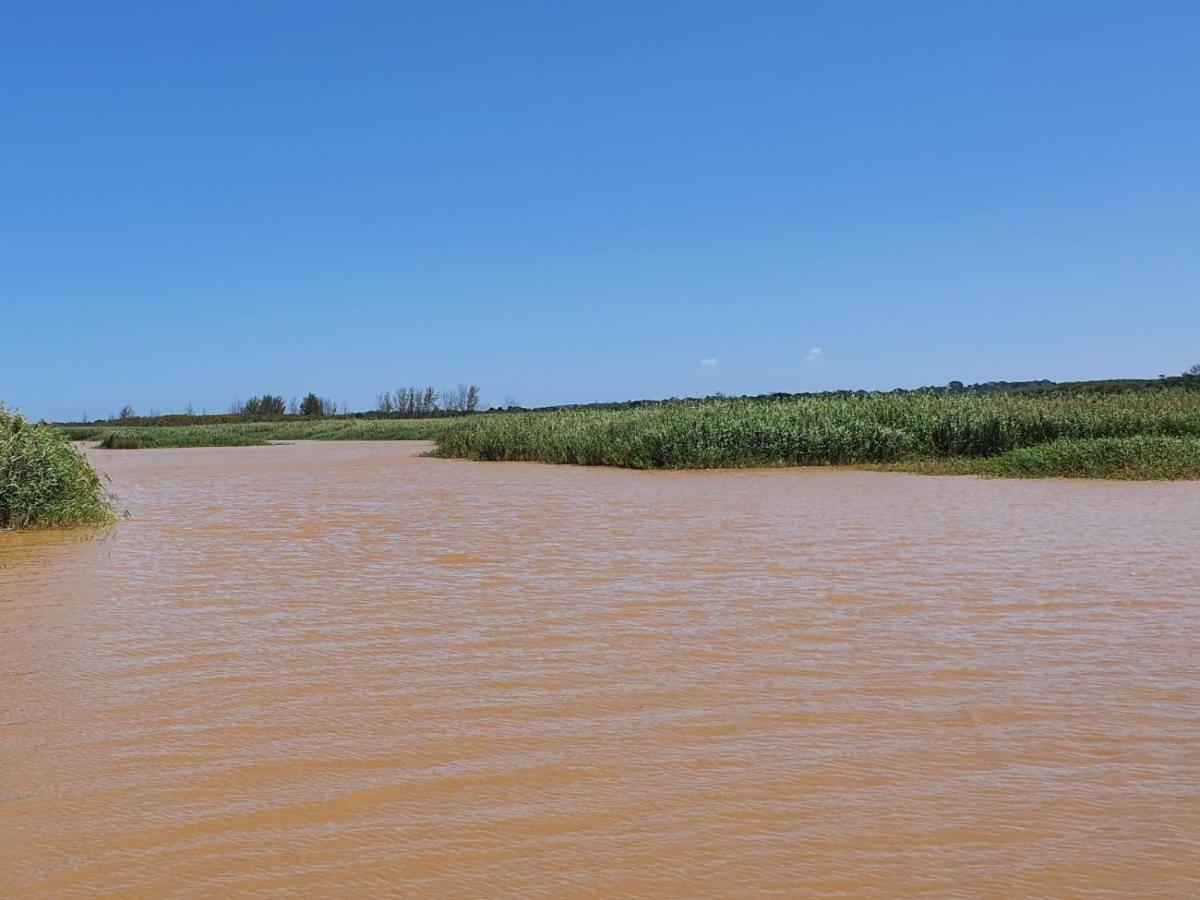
(570, 201)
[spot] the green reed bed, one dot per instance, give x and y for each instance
(44, 481)
(1139, 458)
(922, 432)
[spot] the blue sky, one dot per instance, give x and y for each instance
(569, 202)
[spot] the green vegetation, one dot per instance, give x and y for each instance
(1188, 380)
(148, 437)
(1139, 458)
(268, 406)
(312, 405)
(1142, 458)
(44, 481)
(242, 434)
(1089, 434)
(1148, 429)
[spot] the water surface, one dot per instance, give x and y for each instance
(339, 669)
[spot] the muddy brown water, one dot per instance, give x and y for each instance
(339, 669)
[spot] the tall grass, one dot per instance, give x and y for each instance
(820, 430)
(1138, 458)
(44, 481)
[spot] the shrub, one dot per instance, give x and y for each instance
(44, 481)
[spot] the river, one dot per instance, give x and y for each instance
(342, 669)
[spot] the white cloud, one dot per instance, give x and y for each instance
(709, 361)
(814, 355)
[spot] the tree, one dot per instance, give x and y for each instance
(383, 402)
(268, 406)
(1192, 370)
(429, 400)
(310, 405)
(472, 398)
(126, 412)
(328, 407)
(455, 400)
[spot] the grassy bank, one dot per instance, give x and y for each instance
(44, 481)
(1099, 436)
(1144, 434)
(1134, 458)
(1127, 459)
(241, 434)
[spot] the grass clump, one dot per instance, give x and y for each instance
(198, 436)
(44, 481)
(1140, 458)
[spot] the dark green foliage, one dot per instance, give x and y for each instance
(186, 436)
(268, 406)
(44, 481)
(311, 405)
(82, 432)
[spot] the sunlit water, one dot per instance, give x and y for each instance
(339, 669)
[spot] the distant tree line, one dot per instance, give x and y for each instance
(408, 402)
(403, 403)
(1189, 379)
(415, 403)
(272, 406)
